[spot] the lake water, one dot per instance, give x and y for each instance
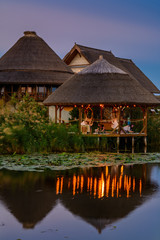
(118, 202)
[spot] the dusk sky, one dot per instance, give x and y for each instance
(130, 29)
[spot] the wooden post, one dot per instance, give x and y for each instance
(132, 144)
(80, 118)
(119, 121)
(60, 110)
(117, 144)
(145, 121)
(101, 112)
(145, 144)
(145, 130)
(56, 108)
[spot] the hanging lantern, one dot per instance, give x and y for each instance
(101, 105)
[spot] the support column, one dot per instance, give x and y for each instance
(145, 130)
(145, 144)
(132, 144)
(80, 118)
(60, 115)
(145, 121)
(56, 108)
(118, 144)
(119, 121)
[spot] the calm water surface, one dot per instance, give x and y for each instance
(118, 202)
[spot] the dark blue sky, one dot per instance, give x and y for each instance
(128, 28)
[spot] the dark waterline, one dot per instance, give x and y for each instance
(117, 202)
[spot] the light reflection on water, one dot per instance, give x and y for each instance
(96, 203)
(104, 186)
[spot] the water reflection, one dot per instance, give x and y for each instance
(99, 196)
(106, 185)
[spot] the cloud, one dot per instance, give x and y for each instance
(60, 28)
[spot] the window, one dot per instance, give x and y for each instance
(54, 88)
(23, 89)
(29, 89)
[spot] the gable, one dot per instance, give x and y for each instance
(78, 60)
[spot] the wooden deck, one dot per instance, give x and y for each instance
(115, 135)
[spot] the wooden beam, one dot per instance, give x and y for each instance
(60, 114)
(119, 121)
(145, 144)
(80, 118)
(56, 108)
(132, 144)
(145, 120)
(118, 144)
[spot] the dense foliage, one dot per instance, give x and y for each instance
(25, 128)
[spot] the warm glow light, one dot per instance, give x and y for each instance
(117, 190)
(120, 182)
(122, 170)
(61, 185)
(74, 185)
(134, 105)
(91, 183)
(102, 180)
(113, 187)
(82, 183)
(95, 187)
(140, 187)
(106, 171)
(125, 182)
(107, 186)
(101, 105)
(99, 188)
(57, 186)
(104, 186)
(78, 182)
(134, 183)
(88, 184)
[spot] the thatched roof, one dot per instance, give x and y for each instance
(127, 65)
(90, 86)
(135, 72)
(31, 60)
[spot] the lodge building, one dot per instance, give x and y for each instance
(31, 66)
(86, 78)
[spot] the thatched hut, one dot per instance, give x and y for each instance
(80, 57)
(108, 87)
(32, 67)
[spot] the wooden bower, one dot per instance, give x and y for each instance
(118, 133)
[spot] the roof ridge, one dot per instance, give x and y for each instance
(100, 66)
(93, 48)
(125, 59)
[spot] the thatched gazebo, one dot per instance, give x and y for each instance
(103, 85)
(32, 67)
